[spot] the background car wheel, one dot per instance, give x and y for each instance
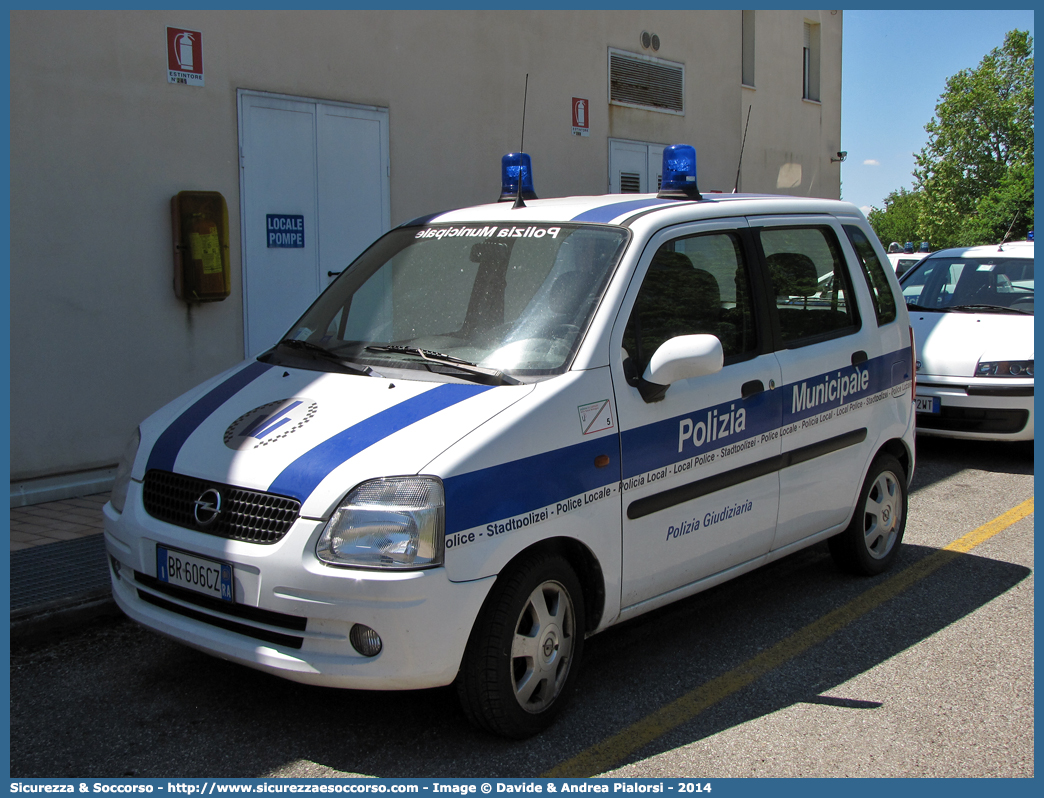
(870, 544)
(523, 654)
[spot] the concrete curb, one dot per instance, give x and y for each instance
(42, 622)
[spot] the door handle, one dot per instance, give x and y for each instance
(858, 357)
(751, 388)
(332, 274)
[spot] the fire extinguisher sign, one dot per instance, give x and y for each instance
(581, 117)
(184, 56)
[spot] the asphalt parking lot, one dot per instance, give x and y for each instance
(794, 670)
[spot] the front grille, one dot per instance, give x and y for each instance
(973, 419)
(1001, 390)
(246, 515)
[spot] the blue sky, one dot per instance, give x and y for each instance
(894, 69)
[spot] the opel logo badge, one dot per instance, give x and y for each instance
(207, 507)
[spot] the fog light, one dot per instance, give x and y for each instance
(366, 641)
(115, 566)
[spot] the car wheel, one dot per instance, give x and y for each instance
(870, 544)
(524, 651)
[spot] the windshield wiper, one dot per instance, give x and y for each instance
(486, 376)
(325, 354)
(427, 354)
(986, 308)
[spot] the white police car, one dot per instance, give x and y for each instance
(904, 258)
(508, 427)
(972, 315)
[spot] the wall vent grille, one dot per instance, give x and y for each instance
(630, 183)
(644, 82)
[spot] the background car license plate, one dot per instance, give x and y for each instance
(927, 404)
(209, 577)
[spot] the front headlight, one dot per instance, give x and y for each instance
(392, 522)
(1004, 368)
(118, 497)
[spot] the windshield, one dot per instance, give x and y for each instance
(444, 298)
(953, 283)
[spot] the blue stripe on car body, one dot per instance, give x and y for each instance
(606, 213)
(167, 447)
(519, 486)
(515, 488)
(305, 473)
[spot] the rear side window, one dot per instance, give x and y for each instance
(807, 276)
(874, 273)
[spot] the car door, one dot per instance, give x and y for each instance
(700, 489)
(832, 366)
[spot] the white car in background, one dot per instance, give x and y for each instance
(902, 262)
(903, 258)
(972, 314)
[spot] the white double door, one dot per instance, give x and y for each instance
(635, 167)
(318, 167)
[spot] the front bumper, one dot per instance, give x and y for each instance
(293, 614)
(977, 409)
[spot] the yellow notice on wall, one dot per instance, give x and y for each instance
(207, 248)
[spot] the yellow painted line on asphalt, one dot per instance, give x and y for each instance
(614, 750)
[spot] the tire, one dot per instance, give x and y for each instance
(524, 652)
(871, 542)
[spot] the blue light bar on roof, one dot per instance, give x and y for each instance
(679, 173)
(510, 166)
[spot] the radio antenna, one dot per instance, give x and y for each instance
(522, 148)
(1005, 239)
(735, 189)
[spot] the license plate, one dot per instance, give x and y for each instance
(198, 574)
(926, 404)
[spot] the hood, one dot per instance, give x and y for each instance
(951, 344)
(312, 435)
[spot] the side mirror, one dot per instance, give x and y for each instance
(680, 358)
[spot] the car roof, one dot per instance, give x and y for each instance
(1011, 249)
(622, 209)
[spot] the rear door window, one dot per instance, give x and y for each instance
(809, 283)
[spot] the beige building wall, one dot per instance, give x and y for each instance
(100, 142)
(788, 136)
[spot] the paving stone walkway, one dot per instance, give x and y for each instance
(69, 519)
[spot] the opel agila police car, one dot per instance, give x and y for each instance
(509, 427)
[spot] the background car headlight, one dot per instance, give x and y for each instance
(118, 497)
(393, 522)
(1004, 368)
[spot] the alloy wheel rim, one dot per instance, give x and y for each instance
(883, 515)
(542, 646)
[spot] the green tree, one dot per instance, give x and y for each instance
(975, 174)
(898, 220)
